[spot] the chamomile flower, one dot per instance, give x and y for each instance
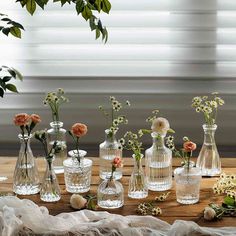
(127, 103)
(156, 211)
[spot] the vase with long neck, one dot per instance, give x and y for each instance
(187, 179)
(209, 160)
(26, 177)
(50, 189)
(57, 133)
(158, 164)
(138, 187)
(108, 150)
(77, 172)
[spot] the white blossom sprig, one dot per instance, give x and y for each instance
(54, 100)
(113, 118)
(208, 105)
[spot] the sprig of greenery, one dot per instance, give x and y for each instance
(54, 100)
(85, 8)
(208, 105)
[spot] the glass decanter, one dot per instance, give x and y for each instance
(187, 179)
(108, 150)
(57, 133)
(26, 177)
(110, 194)
(77, 172)
(138, 187)
(50, 189)
(158, 164)
(209, 160)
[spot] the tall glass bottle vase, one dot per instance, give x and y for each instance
(50, 189)
(57, 133)
(209, 160)
(138, 187)
(158, 164)
(108, 150)
(77, 172)
(26, 177)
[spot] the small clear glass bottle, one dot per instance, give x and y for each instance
(26, 177)
(50, 189)
(138, 187)
(57, 133)
(158, 164)
(77, 173)
(110, 194)
(187, 179)
(209, 160)
(108, 150)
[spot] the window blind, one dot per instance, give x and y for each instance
(158, 38)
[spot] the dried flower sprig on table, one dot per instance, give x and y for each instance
(54, 100)
(208, 105)
(114, 120)
(149, 208)
(226, 184)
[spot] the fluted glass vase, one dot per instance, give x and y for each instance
(77, 172)
(209, 160)
(138, 187)
(50, 189)
(26, 177)
(108, 150)
(57, 133)
(110, 194)
(158, 164)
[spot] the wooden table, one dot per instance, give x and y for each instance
(171, 210)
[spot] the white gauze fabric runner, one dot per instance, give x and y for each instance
(24, 217)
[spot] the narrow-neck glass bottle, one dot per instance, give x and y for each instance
(108, 150)
(26, 177)
(138, 187)
(57, 133)
(209, 160)
(158, 164)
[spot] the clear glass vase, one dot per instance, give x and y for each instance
(108, 150)
(158, 164)
(187, 179)
(77, 172)
(209, 160)
(50, 189)
(138, 187)
(110, 194)
(57, 133)
(26, 177)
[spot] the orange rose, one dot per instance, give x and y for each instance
(21, 119)
(189, 146)
(117, 162)
(35, 118)
(79, 130)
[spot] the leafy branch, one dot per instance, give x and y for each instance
(84, 7)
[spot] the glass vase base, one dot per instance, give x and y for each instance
(59, 169)
(210, 172)
(187, 200)
(156, 186)
(116, 175)
(138, 194)
(77, 189)
(108, 204)
(50, 198)
(26, 189)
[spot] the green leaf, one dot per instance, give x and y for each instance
(31, 6)
(12, 72)
(41, 3)
(15, 32)
(98, 3)
(79, 6)
(6, 78)
(97, 33)
(87, 13)
(6, 31)
(229, 201)
(12, 88)
(18, 75)
(5, 19)
(92, 24)
(18, 25)
(1, 92)
(106, 6)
